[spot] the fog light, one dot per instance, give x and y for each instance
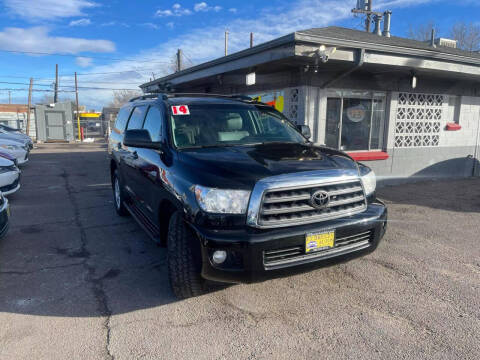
(219, 256)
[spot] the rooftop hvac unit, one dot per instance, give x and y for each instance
(446, 42)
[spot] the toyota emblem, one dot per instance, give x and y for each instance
(320, 199)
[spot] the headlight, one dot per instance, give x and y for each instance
(369, 182)
(222, 201)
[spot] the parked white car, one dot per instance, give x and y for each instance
(15, 135)
(9, 177)
(17, 149)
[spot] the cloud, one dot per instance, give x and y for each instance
(232, 10)
(114, 23)
(38, 39)
(80, 22)
(204, 7)
(177, 10)
(200, 6)
(267, 24)
(170, 25)
(151, 25)
(84, 61)
(48, 9)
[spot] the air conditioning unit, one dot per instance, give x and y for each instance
(446, 42)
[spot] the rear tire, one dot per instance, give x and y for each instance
(184, 260)
(118, 197)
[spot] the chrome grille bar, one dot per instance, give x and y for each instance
(284, 200)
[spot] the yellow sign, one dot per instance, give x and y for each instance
(317, 242)
(89, 115)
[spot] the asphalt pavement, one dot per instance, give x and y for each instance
(78, 282)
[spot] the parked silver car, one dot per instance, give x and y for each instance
(17, 149)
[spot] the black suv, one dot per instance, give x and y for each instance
(236, 191)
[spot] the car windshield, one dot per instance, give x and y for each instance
(217, 125)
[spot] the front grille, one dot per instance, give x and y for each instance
(297, 253)
(292, 207)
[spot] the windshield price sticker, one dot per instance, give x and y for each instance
(180, 110)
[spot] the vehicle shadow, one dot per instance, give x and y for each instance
(432, 188)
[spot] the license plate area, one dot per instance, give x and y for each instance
(319, 241)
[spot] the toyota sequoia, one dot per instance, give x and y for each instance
(236, 192)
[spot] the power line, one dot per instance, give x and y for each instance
(87, 56)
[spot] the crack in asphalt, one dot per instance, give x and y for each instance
(14, 272)
(97, 283)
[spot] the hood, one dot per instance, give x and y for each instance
(5, 141)
(16, 138)
(5, 162)
(245, 165)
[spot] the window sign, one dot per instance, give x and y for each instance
(274, 98)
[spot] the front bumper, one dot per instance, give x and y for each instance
(247, 261)
(4, 218)
(9, 182)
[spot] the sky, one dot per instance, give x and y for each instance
(120, 44)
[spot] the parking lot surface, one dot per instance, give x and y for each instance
(78, 282)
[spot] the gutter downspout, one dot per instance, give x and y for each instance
(358, 64)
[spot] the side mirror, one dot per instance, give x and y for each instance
(305, 130)
(140, 138)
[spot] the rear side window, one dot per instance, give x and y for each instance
(136, 120)
(153, 123)
(122, 119)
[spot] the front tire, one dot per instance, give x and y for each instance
(184, 260)
(118, 197)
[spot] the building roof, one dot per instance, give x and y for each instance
(13, 108)
(284, 47)
(341, 33)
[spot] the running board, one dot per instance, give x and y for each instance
(150, 228)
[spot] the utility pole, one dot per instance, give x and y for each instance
(368, 21)
(78, 113)
(9, 97)
(251, 39)
(29, 106)
(55, 97)
(179, 60)
(226, 43)
(364, 7)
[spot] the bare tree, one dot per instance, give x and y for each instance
(121, 97)
(467, 36)
(421, 32)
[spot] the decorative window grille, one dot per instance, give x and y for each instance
(293, 108)
(418, 120)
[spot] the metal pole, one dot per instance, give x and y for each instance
(78, 114)
(368, 21)
(179, 60)
(226, 43)
(27, 130)
(251, 39)
(55, 97)
(9, 97)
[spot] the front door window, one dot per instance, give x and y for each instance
(355, 120)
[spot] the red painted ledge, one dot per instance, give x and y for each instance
(453, 127)
(368, 155)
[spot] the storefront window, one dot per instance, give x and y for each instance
(355, 120)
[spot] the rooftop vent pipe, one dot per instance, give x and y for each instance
(386, 23)
(378, 20)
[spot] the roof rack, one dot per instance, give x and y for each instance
(144, 97)
(173, 95)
